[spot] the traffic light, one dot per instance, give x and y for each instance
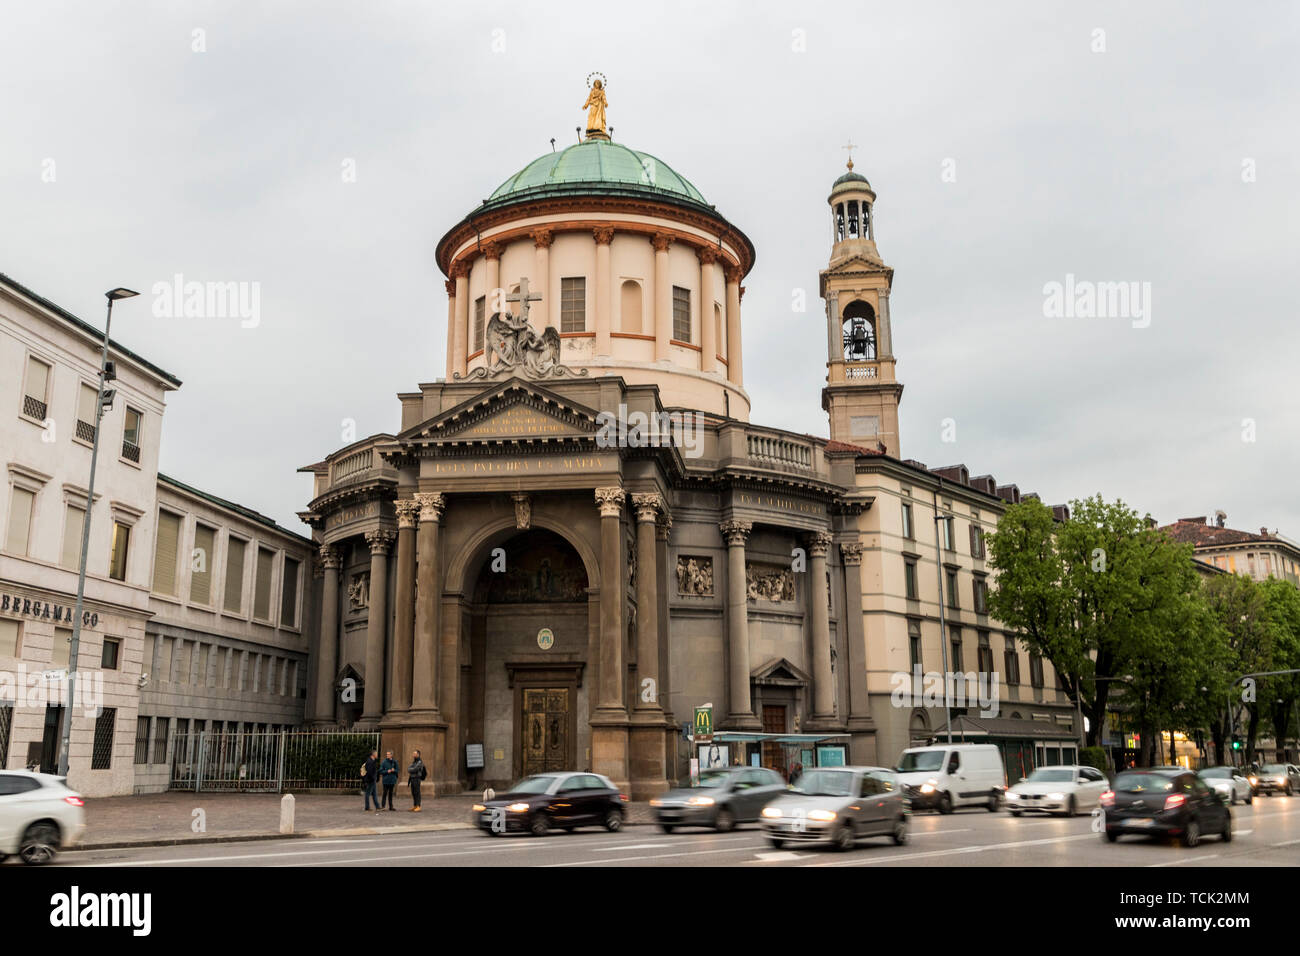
(1236, 743)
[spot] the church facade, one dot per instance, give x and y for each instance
(576, 537)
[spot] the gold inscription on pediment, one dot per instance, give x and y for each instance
(778, 503)
(523, 466)
(519, 421)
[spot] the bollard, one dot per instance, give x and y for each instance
(286, 813)
(489, 794)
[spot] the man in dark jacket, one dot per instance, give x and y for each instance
(369, 777)
(415, 776)
(388, 776)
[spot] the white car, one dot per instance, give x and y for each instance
(1064, 789)
(39, 816)
(1229, 782)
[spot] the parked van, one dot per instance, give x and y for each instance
(953, 775)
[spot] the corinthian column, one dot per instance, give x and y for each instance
(460, 275)
(450, 286)
(603, 235)
(735, 374)
(327, 650)
(610, 501)
(546, 316)
(708, 327)
(376, 625)
(859, 706)
(647, 508)
(663, 297)
(424, 683)
(819, 617)
(740, 710)
(408, 513)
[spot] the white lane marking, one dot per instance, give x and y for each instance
(1287, 843)
(979, 848)
(914, 834)
(780, 855)
(634, 846)
(1190, 859)
(656, 856)
(163, 861)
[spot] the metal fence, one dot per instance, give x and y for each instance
(270, 762)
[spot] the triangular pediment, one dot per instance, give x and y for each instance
(856, 265)
(512, 411)
(779, 671)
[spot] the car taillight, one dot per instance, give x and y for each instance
(623, 797)
(75, 801)
(1107, 798)
(1174, 801)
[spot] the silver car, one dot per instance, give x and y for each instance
(839, 805)
(724, 797)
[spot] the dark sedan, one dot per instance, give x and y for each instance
(560, 801)
(724, 797)
(1165, 802)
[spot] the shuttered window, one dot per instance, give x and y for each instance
(166, 547)
(234, 575)
(262, 587)
(86, 413)
(121, 542)
(201, 558)
(289, 594)
(35, 394)
(20, 521)
(8, 640)
(72, 527)
(681, 314)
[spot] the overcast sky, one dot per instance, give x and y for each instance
(1161, 150)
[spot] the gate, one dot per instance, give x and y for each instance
(270, 762)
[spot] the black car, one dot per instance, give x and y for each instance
(1170, 802)
(560, 801)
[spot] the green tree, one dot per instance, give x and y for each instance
(1096, 595)
(1247, 632)
(1282, 601)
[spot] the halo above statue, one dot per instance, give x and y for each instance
(601, 76)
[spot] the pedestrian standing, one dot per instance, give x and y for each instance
(388, 776)
(369, 779)
(416, 774)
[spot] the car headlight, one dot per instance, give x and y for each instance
(479, 808)
(656, 802)
(822, 816)
(700, 802)
(1012, 795)
(1056, 796)
(1281, 780)
(1254, 781)
(772, 813)
(927, 788)
(518, 808)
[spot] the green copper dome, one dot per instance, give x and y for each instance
(597, 167)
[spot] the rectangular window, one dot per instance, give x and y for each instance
(61, 652)
(86, 403)
(166, 547)
(234, 575)
(976, 541)
(101, 758)
(1036, 671)
(952, 588)
(8, 646)
(18, 534)
(201, 559)
(1011, 665)
(955, 661)
(131, 435)
(160, 740)
(981, 594)
(949, 534)
(262, 585)
(73, 523)
(112, 652)
(121, 544)
(914, 642)
(480, 320)
(573, 305)
(909, 578)
(681, 314)
(289, 594)
(985, 653)
(36, 390)
(908, 531)
(6, 728)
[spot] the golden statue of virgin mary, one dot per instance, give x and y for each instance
(595, 107)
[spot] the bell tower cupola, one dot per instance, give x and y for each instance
(861, 394)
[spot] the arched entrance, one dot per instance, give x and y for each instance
(530, 624)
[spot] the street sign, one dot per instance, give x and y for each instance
(704, 724)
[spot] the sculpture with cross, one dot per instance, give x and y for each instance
(513, 347)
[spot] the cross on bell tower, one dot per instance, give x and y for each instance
(861, 394)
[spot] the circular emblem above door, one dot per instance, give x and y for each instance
(545, 638)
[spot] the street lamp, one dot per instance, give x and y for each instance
(943, 627)
(105, 400)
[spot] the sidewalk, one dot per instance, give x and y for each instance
(166, 819)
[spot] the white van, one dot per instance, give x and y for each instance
(945, 776)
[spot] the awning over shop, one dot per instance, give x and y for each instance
(971, 729)
(735, 737)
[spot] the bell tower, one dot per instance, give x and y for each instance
(861, 394)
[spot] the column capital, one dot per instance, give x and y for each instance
(408, 512)
(741, 293)
(450, 286)
(431, 505)
(664, 527)
(610, 501)
(330, 557)
(707, 255)
(459, 269)
(735, 532)
(852, 553)
(491, 250)
(647, 505)
(603, 235)
(819, 543)
(379, 541)
(731, 271)
(542, 238)
(661, 241)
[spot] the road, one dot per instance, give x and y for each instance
(1265, 834)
